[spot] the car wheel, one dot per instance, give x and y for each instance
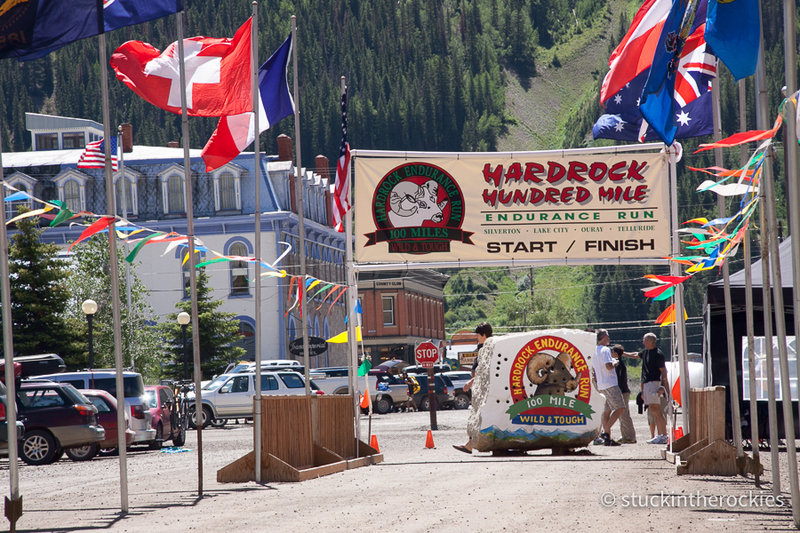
(207, 416)
(425, 404)
(383, 405)
(38, 447)
(83, 453)
(156, 444)
(219, 422)
(461, 401)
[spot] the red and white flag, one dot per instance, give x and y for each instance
(217, 73)
(341, 192)
(635, 53)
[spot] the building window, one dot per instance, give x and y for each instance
(388, 310)
(72, 140)
(239, 282)
(72, 196)
(175, 195)
(247, 340)
(292, 333)
(227, 188)
(47, 141)
(131, 203)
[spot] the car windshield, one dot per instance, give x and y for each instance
(150, 398)
(216, 383)
(132, 386)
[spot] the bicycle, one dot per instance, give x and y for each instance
(181, 409)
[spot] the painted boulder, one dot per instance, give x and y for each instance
(534, 390)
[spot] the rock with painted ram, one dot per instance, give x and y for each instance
(534, 390)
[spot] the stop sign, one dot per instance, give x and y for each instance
(426, 353)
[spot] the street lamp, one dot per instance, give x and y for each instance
(89, 309)
(183, 320)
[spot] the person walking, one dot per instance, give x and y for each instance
(625, 421)
(478, 383)
(654, 385)
(607, 385)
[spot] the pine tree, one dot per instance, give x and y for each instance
(218, 333)
(39, 295)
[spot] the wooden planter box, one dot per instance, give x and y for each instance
(303, 437)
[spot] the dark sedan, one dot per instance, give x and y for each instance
(57, 417)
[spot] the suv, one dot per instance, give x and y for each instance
(387, 391)
(445, 392)
(57, 417)
(437, 369)
(231, 395)
(459, 378)
(133, 389)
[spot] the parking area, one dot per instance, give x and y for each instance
(414, 489)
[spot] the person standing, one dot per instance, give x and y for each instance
(607, 385)
(625, 421)
(479, 382)
(654, 385)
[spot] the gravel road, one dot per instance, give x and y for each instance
(625, 488)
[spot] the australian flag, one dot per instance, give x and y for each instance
(691, 98)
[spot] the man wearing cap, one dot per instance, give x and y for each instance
(606, 378)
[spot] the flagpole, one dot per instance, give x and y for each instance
(114, 275)
(767, 191)
(748, 298)
(257, 266)
(187, 187)
(298, 187)
(680, 322)
(352, 300)
(13, 505)
(121, 158)
(733, 380)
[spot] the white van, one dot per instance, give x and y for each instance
(139, 418)
(231, 395)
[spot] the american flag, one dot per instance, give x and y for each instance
(94, 155)
(341, 193)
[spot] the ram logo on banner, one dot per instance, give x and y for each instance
(525, 205)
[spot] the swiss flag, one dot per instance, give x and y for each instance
(217, 73)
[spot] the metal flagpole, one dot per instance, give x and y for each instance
(13, 504)
(121, 180)
(790, 60)
(298, 187)
(257, 266)
(767, 190)
(674, 152)
(114, 274)
(187, 187)
(352, 300)
(733, 380)
(748, 288)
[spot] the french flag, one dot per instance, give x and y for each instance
(236, 132)
(635, 53)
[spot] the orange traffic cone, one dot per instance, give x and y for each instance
(374, 443)
(429, 440)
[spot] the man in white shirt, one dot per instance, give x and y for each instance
(606, 378)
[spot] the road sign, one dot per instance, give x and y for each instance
(426, 354)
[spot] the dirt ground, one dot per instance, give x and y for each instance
(625, 488)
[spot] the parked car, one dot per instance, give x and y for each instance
(161, 401)
(266, 364)
(106, 406)
(35, 365)
(57, 417)
(231, 395)
(438, 368)
(459, 378)
(133, 389)
(4, 423)
(444, 388)
(387, 391)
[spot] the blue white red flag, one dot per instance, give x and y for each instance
(681, 68)
(341, 193)
(94, 155)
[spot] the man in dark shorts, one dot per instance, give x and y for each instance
(654, 385)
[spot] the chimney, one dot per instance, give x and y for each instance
(285, 152)
(127, 137)
(173, 144)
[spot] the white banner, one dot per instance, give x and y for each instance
(523, 205)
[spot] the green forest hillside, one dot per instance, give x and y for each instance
(440, 75)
